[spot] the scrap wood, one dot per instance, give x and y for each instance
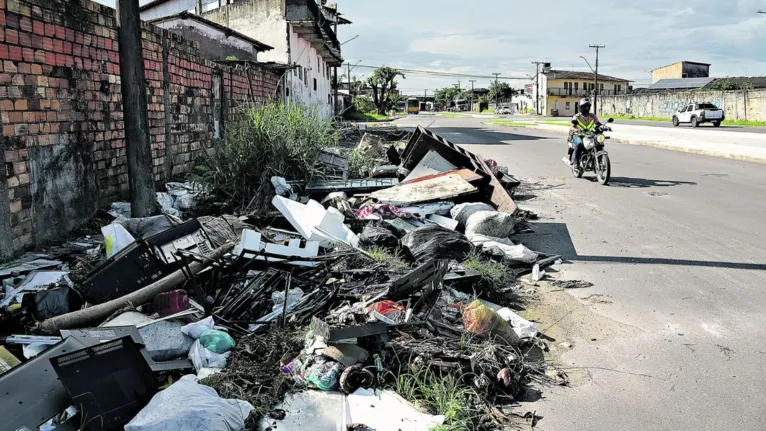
(448, 186)
(82, 318)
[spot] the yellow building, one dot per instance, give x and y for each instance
(560, 91)
(682, 69)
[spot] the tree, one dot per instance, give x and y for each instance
(396, 98)
(444, 96)
(364, 104)
(382, 81)
(503, 90)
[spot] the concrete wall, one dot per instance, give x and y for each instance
(738, 105)
(313, 67)
(61, 112)
(263, 20)
(560, 103)
(214, 44)
(680, 70)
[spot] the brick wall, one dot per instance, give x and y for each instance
(63, 134)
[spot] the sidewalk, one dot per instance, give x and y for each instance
(749, 147)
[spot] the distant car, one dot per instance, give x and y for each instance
(698, 113)
(504, 110)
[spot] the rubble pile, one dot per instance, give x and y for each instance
(388, 297)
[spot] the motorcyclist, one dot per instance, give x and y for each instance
(582, 122)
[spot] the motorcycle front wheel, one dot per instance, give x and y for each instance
(603, 169)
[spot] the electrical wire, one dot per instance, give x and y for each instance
(445, 74)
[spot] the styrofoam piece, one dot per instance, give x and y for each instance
(314, 222)
(315, 410)
(387, 411)
(251, 240)
(443, 221)
(523, 327)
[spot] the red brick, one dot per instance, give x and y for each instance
(29, 54)
(25, 24)
(30, 80)
(11, 36)
(25, 39)
(12, 20)
(14, 53)
(50, 30)
(5, 78)
(16, 116)
(2, 18)
(3, 51)
(20, 167)
(58, 46)
(21, 105)
(6, 105)
(2, 34)
(60, 32)
(24, 68)
(40, 56)
(15, 205)
(50, 58)
(47, 44)
(38, 28)
(36, 69)
(10, 66)
(9, 131)
(67, 47)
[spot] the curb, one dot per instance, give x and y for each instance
(730, 156)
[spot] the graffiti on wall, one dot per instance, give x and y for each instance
(670, 106)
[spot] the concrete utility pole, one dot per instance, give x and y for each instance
(595, 98)
(139, 151)
(198, 7)
(537, 86)
(472, 81)
(496, 93)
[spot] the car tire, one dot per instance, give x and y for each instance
(695, 122)
(675, 122)
(716, 124)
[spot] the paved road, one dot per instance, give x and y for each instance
(668, 124)
(671, 336)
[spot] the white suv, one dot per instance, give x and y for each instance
(698, 113)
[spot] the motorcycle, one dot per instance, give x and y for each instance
(594, 158)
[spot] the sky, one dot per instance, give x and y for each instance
(482, 37)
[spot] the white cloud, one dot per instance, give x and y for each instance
(462, 45)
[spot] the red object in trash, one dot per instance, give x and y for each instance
(387, 308)
(171, 302)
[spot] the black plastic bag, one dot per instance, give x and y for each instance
(376, 236)
(51, 303)
(436, 242)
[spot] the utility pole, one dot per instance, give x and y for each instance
(198, 7)
(138, 150)
(458, 85)
(496, 92)
(537, 86)
(595, 98)
(348, 78)
(472, 81)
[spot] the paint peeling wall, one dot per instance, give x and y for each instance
(738, 105)
(311, 68)
(263, 20)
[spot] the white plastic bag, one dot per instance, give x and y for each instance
(489, 223)
(188, 405)
(116, 237)
(463, 211)
(204, 358)
(196, 329)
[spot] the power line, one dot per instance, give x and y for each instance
(445, 74)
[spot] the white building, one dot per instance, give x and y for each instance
(303, 34)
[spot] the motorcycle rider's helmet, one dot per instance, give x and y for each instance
(584, 106)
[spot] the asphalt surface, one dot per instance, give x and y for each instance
(707, 126)
(671, 335)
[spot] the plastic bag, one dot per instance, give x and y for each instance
(504, 248)
(188, 405)
(463, 211)
(324, 374)
(204, 358)
(145, 227)
(436, 242)
(489, 223)
(376, 236)
(196, 329)
(51, 303)
(116, 237)
(480, 319)
(388, 309)
(293, 296)
(216, 341)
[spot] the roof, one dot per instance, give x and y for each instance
(680, 83)
(586, 76)
(737, 83)
(226, 30)
(152, 4)
(683, 61)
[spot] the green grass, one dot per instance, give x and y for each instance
(452, 114)
(369, 116)
(554, 122)
(745, 123)
(495, 274)
(381, 255)
(508, 123)
(442, 395)
(630, 117)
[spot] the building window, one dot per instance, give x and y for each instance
(300, 72)
(568, 105)
(287, 92)
(315, 84)
(306, 76)
(295, 71)
(329, 99)
(576, 85)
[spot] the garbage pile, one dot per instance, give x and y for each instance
(383, 296)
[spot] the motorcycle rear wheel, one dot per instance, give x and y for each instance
(603, 169)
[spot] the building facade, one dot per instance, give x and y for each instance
(682, 69)
(558, 93)
(303, 34)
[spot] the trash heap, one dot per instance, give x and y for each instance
(391, 298)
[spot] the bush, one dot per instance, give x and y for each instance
(364, 104)
(270, 139)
